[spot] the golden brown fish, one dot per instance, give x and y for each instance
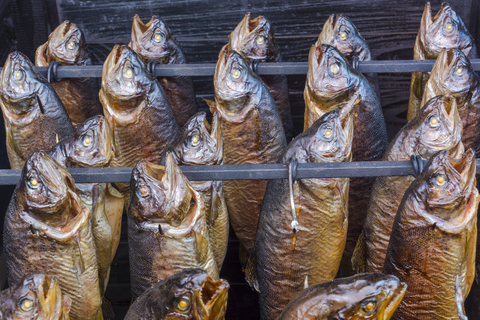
(433, 240)
(202, 144)
(445, 30)
(436, 127)
(35, 296)
(167, 226)
(48, 229)
(137, 111)
(66, 44)
(363, 296)
(155, 41)
(33, 114)
(188, 294)
(321, 207)
(332, 84)
(252, 133)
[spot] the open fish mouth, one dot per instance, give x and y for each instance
(212, 295)
(395, 301)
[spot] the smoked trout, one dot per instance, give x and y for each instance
(283, 261)
(202, 144)
(332, 83)
(34, 116)
(252, 133)
(188, 294)
(155, 41)
(445, 30)
(433, 241)
(363, 296)
(66, 44)
(48, 229)
(436, 127)
(167, 226)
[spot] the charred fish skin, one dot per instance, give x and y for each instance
(167, 227)
(436, 127)
(445, 30)
(340, 32)
(35, 296)
(252, 133)
(433, 240)
(155, 41)
(190, 293)
(47, 229)
(202, 144)
(33, 113)
(254, 39)
(66, 44)
(363, 296)
(322, 214)
(332, 83)
(453, 75)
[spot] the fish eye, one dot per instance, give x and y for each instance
(328, 133)
(144, 190)
(87, 140)
(459, 71)
(449, 27)
(18, 74)
(72, 44)
(183, 303)
(236, 73)
(260, 40)
(335, 68)
(369, 306)
(157, 37)
(343, 35)
(195, 140)
(33, 182)
(434, 121)
(440, 179)
(26, 304)
(128, 72)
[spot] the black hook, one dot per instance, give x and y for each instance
(52, 71)
(151, 66)
(417, 164)
(292, 175)
(254, 65)
(355, 62)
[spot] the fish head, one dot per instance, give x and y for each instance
(254, 39)
(125, 78)
(91, 145)
(67, 45)
(445, 187)
(36, 296)
(201, 143)
(437, 127)
(45, 190)
(340, 32)
(329, 73)
(151, 40)
(445, 30)
(160, 193)
(19, 83)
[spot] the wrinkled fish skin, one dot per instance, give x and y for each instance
(48, 229)
(33, 113)
(445, 30)
(452, 74)
(322, 213)
(252, 134)
(188, 294)
(348, 298)
(340, 32)
(328, 88)
(66, 44)
(167, 226)
(436, 127)
(254, 40)
(35, 296)
(202, 144)
(433, 240)
(137, 111)
(155, 41)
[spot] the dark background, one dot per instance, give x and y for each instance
(202, 27)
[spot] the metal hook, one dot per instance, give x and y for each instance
(254, 65)
(52, 71)
(292, 174)
(417, 164)
(355, 62)
(151, 66)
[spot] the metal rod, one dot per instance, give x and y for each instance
(287, 68)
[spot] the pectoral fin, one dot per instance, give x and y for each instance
(202, 248)
(459, 298)
(359, 254)
(251, 274)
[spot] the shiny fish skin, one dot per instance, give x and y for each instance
(433, 240)
(420, 137)
(432, 38)
(166, 50)
(66, 44)
(33, 114)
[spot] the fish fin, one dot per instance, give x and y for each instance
(81, 266)
(305, 284)
(40, 56)
(471, 256)
(40, 105)
(107, 309)
(211, 105)
(215, 209)
(459, 299)
(66, 306)
(359, 255)
(251, 274)
(202, 247)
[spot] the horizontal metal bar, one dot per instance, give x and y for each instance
(263, 68)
